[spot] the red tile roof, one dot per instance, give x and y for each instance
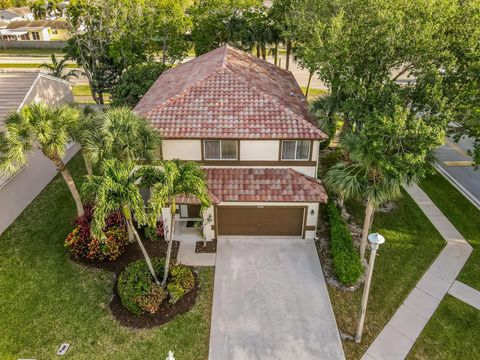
(228, 93)
(260, 185)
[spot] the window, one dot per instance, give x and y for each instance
(35, 35)
(295, 150)
(220, 149)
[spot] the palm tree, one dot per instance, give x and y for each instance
(118, 133)
(44, 127)
(360, 177)
(57, 69)
(116, 189)
(176, 178)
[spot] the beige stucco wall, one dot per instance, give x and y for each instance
(50, 92)
(25, 185)
(182, 149)
(259, 150)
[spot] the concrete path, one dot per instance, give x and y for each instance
(270, 302)
(188, 238)
(398, 336)
(465, 293)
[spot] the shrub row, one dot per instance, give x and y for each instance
(346, 261)
(139, 293)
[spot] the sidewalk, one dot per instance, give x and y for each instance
(398, 336)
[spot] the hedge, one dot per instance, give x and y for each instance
(346, 261)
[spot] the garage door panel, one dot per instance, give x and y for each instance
(262, 221)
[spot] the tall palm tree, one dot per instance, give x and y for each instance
(360, 177)
(176, 178)
(47, 128)
(57, 69)
(116, 189)
(118, 133)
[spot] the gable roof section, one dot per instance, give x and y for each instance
(227, 93)
(14, 88)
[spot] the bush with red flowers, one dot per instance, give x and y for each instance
(82, 245)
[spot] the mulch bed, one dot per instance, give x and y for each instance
(145, 321)
(210, 248)
(156, 249)
(132, 252)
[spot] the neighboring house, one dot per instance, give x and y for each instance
(21, 13)
(247, 123)
(38, 30)
(18, 89)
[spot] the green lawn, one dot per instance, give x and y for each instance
(81, 90)
(464, 216)
(313, 93)
(412, 243)
(46, 299)
(452, 333)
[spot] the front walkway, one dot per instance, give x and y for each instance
(398, 336)
(188, 238)
(270, 302)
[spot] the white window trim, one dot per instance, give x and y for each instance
(221, 141)
(295, 153)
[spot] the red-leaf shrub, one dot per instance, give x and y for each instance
(83, 245)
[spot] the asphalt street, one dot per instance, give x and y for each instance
(456, 164)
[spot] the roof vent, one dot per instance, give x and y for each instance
(292, 93)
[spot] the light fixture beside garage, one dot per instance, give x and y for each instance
(312, 212)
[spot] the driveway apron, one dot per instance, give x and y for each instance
(271, 302)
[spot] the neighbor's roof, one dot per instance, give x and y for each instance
(260, 185)
(14, 87)
(38, 24)
(24, 10)
(228, 93)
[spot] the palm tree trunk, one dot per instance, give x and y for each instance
(258, 50)
(170, 241)
(276, 54)
(100, 98)
(88, 165)
(132, 229)
(309, 82)
(366, 227)
(70, 183)
(289, 50)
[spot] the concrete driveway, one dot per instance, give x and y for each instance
(270, 301)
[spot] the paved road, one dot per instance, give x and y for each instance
(270, 302)
(300, 74)
(455, 163)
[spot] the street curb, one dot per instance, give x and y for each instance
(470, 197)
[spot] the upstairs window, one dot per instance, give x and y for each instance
(220, 149)
(296, 149)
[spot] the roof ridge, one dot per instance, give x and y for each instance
(183, 92)
(285, 108)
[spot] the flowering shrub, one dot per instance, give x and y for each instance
(82, 245)
(154, 233)
(139, 293)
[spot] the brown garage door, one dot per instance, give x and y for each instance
(253, 220)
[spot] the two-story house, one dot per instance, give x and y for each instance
(247, 123)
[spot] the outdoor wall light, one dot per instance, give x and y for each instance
(312, 212)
